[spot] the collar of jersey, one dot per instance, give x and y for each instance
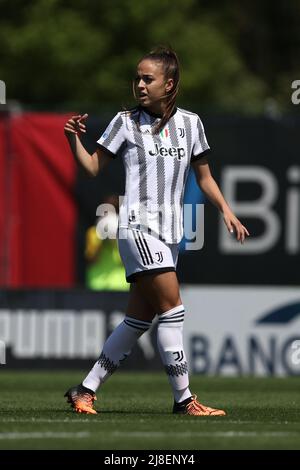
(154, 114)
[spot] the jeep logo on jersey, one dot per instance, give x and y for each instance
(178, 152)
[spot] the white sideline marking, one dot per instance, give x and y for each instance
(141, 434)
(43, 435)
(92, 420)
(205, 434)
(45, 420)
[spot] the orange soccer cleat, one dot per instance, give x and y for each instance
(81, 399)
(192, 407)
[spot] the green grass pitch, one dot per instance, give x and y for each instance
(135, 413)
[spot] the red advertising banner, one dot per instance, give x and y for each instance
(38, 213)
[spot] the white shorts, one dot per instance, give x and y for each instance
(142, 253)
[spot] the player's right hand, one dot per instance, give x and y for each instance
(75, 125)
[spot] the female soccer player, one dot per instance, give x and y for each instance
(158, 143)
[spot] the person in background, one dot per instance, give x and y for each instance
(104, 268)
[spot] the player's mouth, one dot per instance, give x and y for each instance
(142, 96)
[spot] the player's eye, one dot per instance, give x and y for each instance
(148, 79)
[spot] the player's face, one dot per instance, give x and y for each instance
(151, 85)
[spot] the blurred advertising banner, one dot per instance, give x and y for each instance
(37, 203)
(47, 203)
(227, 331)
(243, 330)
(256, 162)
(64, 328)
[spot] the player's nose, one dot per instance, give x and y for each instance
(141, 85)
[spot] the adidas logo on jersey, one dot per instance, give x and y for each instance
(178, 152)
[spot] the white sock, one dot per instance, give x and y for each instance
(116, 348)
(170, 346)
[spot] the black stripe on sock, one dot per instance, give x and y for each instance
(135, 321)
(136, 327)
(173, 317)
(176, 313)
(170, 321)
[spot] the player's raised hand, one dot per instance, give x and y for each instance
(234, 225)
(75, 125)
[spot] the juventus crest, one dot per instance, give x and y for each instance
(160, 257)
(181, 132)
(179, 356)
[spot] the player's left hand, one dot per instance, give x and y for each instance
(235, 226)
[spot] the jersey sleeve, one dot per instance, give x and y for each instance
(200, 147)
(113, 137)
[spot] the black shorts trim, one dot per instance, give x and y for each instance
(132, 277)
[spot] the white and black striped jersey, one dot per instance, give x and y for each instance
(156, 167)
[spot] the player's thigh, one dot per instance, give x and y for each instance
(160, 290)
(138, 306)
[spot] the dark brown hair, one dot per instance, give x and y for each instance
(169, 61)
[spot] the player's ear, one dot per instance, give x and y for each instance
(169, 85)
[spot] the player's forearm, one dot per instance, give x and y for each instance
(81, 155)
(212, 191)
